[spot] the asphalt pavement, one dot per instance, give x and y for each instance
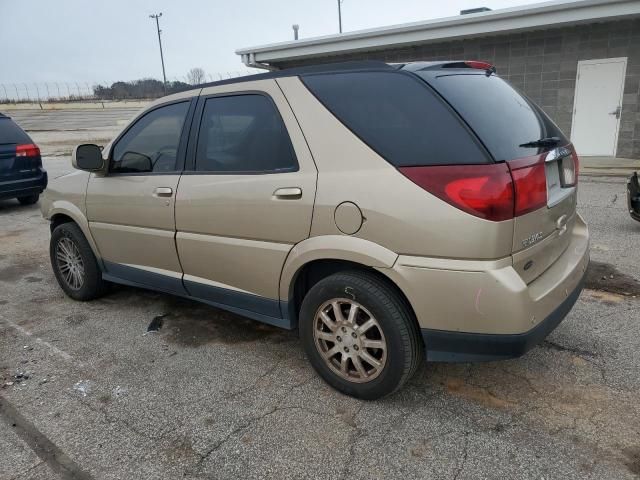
(86, 392)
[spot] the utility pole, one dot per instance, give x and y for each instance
(164, 75)
(340, 15)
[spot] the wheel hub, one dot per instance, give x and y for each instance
(350, 340)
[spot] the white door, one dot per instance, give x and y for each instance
(597, 106)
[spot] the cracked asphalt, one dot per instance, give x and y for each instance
(86, 392)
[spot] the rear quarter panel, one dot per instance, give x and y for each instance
(399, 215)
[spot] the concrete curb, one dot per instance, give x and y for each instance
(607, 172)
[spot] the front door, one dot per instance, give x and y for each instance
(597, 106)
(131, 208)
(246, 199)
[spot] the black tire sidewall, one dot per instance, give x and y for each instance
(29, 199)
(389, 313)
(93, 285)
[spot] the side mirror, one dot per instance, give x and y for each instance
(87, 157)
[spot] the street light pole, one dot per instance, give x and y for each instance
(164, 76)
(340, 15)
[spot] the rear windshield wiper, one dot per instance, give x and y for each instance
(542, 142)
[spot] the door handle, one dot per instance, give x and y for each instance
(163, 192)
(616, 112)
(290, 193)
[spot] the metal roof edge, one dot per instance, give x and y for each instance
(554, 13)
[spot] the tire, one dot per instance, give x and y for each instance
(29, 199)
(393, 327)
(68, 241)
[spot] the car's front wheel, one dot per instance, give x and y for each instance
(74, 264)
(360, 335)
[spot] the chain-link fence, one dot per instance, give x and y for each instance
(22, 92)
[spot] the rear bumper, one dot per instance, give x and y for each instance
(24, 186)
(444, 346)
(484, 310)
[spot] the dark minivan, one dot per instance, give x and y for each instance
(21, 172)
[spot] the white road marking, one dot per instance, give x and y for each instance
(38, 340)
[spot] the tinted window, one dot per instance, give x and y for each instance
(151, 144)
(398, 116)
(12, 133)
(243, 133)
(503, 118)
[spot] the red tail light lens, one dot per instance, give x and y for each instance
(27, 150)
(530, 184)
(479, 65)
(485, 191)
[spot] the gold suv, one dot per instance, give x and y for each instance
(388, 212)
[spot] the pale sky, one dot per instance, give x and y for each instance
(107, 40)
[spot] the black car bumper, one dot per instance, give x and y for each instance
(446, 346)
(24, 186)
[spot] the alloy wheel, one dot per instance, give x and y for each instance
(70, 264)
(350, 340)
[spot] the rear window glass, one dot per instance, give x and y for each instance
(502, 118)
(12, 133)
(398, 116)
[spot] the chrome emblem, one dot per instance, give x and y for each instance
(531, 239)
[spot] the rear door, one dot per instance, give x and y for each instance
(246, 197)
(509, 125)
(131, 209)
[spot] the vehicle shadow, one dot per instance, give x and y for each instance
(12, 205)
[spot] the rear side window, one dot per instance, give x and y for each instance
(12, 133)
(502, 118)
(398, 116)
(151, 144)
(243, 134)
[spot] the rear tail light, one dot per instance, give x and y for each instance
(485, 191)
(496, 192)
(569, 167)
(530, 184)
(27, 150)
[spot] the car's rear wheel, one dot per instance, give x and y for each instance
(360, 335)
(74, 264)
(29, 199)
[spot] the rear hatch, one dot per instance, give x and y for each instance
(540, 159)
(19, 157)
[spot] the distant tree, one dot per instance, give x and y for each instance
(177, 86)
(196, 76)
(138, 89)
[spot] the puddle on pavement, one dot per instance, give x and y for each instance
(603, 277)
(12, 234)
(633, 459)
(193, 325)
(16, 271)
